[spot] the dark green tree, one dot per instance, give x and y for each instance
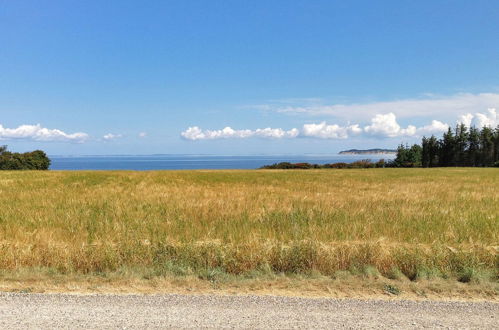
(433, 151)
(35, 160)
(461, 145)
(408, 156)
(425, 153)
(447, 146)
(486, 146)
(496, 146)
(473, 151)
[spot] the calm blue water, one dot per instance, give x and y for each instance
(190, 162)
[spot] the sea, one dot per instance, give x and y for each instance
(194, 162)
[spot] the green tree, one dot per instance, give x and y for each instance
(35, 160)
(433, 151)
(486, 146)
(447, 146)
(461, 145)
(496, 145)
(425, 154)
(408, 156)
(473, 151)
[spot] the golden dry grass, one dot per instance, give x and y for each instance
(282, 285)
(410, 223)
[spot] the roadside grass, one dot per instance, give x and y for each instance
(343, 285)
(410, 226)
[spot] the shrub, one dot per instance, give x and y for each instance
(35, 160)
(392, 289)
(365, 163)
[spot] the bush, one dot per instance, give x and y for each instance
(365, 163)
(35, 160)
(336, 165)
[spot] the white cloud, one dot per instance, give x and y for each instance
(428, 106)
(382, 126)
(276, 133)
(142, 134)
(325, 131)
(386, 126)
(195, 133)
(490, 119)
(110, 136)
(465, 119)
(436, 127)
(39, 133)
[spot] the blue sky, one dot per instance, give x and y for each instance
(242, 77)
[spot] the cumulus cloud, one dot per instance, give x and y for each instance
(386, 126)
(324, 131)
(490, 119)
(39, 133)
(142, 134)
(436, 127)
(381, 126)
(430, 105)
(465, 119)
(196, 133)
(110, 136)
(276, 133)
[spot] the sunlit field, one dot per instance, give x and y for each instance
(393, 223)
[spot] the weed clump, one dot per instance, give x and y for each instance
(391, 289)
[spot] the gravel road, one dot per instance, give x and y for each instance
(48, 311)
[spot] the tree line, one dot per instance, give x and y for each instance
(459, 147)
(34, 160)
(462, 146)
(364, 163)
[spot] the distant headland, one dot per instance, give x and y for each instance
(369, 152)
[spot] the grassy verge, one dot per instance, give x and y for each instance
(344, 284)
(393, 228)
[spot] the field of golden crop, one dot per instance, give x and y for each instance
(395, 223)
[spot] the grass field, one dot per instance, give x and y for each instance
(394, 224)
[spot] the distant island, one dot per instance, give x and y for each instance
(369, 152)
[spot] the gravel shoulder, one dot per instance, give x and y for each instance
(21, 311)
